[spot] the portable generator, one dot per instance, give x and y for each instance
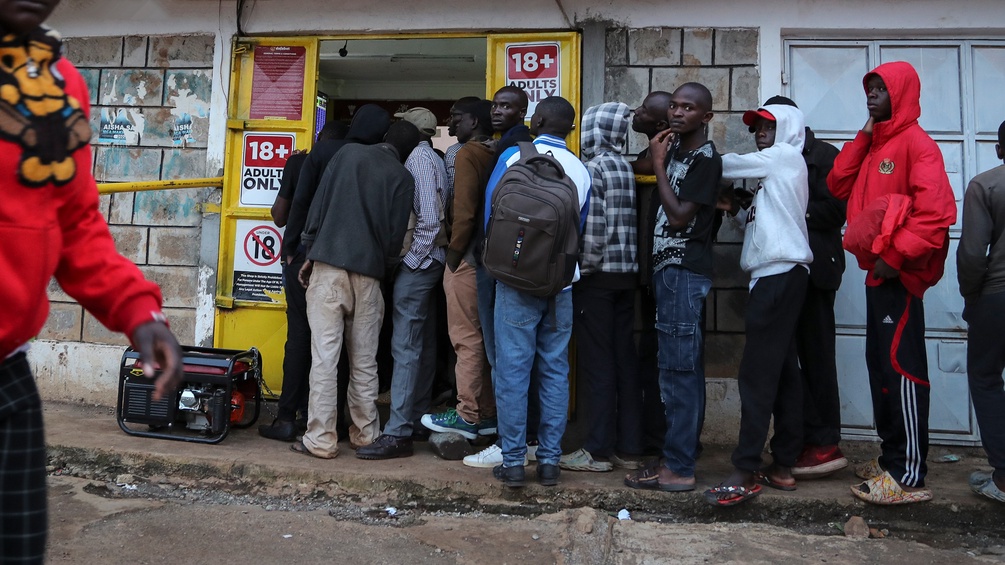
(221, 389)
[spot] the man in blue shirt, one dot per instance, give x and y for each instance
(529, 336)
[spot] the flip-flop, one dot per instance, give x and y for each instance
(299, 447)
(982, 483)
(765, 479)
(648, 478)
(731, 495)
(884, 490)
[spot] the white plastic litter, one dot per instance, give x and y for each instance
(623, 514)
(391, 510)
(287, 536)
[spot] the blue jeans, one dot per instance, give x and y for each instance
(680, 295)
(534, 340)
(413, 345)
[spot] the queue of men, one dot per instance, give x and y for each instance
(379, 215)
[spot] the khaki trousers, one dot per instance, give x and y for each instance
(342, 308)
(475, 400)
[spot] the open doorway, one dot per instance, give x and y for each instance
(398, 74)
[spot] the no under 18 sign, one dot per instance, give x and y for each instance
(262, 165)
(534, 67)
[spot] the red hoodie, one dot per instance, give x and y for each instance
(899, 158)
(50, 224)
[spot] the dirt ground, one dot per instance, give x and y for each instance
(95, 522)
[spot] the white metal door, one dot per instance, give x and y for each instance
(962, 83)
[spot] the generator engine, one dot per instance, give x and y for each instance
(218, 385)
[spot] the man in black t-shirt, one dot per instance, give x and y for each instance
(292, 406)
(688, 170)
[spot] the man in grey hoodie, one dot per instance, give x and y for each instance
(604, 298)
(776, 253)
(352, 235)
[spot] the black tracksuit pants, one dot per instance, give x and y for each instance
(815, 344)
(898, 377)
(769, 379)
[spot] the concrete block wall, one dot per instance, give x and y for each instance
(641, 60)
(158, 90)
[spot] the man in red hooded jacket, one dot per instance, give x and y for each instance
(51, 226)
(894, 179)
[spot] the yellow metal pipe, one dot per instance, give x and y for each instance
(115, 187)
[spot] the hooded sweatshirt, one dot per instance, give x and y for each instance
(609, 242)
(775, 238)
(50, 221)
(368, 127)
(358, 219)
(900, 158)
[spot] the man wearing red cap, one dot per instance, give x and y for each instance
(776, 253)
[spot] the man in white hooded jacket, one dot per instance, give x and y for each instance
(776, 253)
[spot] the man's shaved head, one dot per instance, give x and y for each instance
(700, 92)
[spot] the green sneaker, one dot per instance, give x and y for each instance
(450, 421)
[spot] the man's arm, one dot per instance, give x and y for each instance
(467, 193)
(848, 163)
(678, 212)
(972, 256)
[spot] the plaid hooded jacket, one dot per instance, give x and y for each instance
(609, 243)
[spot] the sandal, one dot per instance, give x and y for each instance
(299, 447)
(765, 479)
(731, 495)
(648, 478)
(983, 483)
(884, 490)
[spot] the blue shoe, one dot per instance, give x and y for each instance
(450, 421)
(487, 427)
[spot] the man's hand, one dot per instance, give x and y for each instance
(159, 348)
(884, 271)
(304, 276)
(727, 200)
(659, 146)
(867, 128)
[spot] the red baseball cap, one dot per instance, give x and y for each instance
(750, 116)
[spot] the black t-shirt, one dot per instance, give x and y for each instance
(291, 174)
(695, 177)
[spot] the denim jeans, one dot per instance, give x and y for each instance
(680, 295)
(535, 340)
(413, 344)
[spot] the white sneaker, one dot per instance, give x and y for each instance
(490, 457)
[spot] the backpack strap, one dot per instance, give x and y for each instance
(527, 148)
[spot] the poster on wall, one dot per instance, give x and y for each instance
(534, 67)
(116, 127)
(262, 162)
(277, 83)
(258, 269)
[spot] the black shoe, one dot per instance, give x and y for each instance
(547, 474)
(386, 447)
(282, 430)
(512, 477)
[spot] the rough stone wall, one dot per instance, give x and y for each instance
(639, 61)
(150, 99)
